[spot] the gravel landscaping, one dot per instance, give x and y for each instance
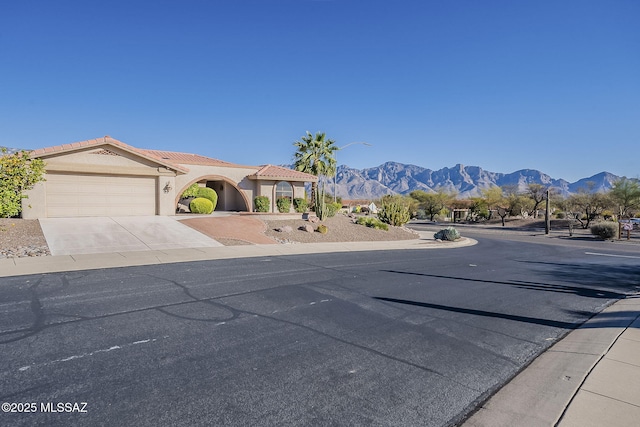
(341, 228)
(21, 238)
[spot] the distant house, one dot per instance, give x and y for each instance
(106, 177)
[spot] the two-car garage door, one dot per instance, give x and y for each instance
(74, 195)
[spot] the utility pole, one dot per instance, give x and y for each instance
(547, 217)
(335, 190)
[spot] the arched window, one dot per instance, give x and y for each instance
(284, 189)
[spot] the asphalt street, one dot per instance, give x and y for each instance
(396, 338)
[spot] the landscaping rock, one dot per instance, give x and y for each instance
(308, 228)
(285, 229)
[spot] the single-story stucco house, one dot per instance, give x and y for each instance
(106, 177)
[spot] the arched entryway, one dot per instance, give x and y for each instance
(230, 198)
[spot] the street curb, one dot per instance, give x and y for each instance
(541, 393)
(60, 263)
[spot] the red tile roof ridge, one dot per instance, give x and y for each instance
(104, 140)
(282, 172)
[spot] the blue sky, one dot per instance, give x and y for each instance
(505, 85)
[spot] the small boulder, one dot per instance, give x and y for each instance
(308, 228)
(285, 229)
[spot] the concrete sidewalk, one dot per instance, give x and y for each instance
(589, 378)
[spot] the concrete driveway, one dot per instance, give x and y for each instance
(74, 236)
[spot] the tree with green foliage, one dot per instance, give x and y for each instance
(478, 210)
(587, 206)
(315, 155)
(496, 200)
(431, 203)
(626, 194)
(538, 194)
(18, 173)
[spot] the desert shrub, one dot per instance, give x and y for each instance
(333, 208)
(208, 193)
(200, 205)
(191, 191)
(372, 223)
(561, 215)
(365, 210)
(394, 213)
(261, 203)
(322, 229)
(356, 209)
(283, 204)
(448, 233)
(300, 205)
(18, 173)
(607, 215)
(605, 230)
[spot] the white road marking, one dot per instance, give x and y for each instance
(83, 355)
(612, 255)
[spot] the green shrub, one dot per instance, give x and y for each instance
(200, 205)
(191, 191)
(605, 230)
(262, 203)
(394, 213)
(208, 193)
(561, 215)
(333, 208)
(300, 205)
(449, 234)
(607, 215)
(372, 223)
(283, 204)
(322, 229)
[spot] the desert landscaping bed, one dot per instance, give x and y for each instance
(340, 229)
(21, 238)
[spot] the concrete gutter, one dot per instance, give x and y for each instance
(59, 263)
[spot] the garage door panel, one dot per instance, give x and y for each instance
(95, 195)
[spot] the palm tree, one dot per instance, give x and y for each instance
(315, 155)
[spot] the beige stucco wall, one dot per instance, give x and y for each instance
(235, 190)
(35, 206)
(268, 188)
(232, 176)
(87, 162)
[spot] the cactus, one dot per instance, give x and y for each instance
(322, 229)
(394, 213)
(320, 205)
(448, 233)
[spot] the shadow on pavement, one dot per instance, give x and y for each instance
(585, 292)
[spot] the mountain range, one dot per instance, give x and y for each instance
(465, 181)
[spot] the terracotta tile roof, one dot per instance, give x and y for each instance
(186, 158)
(280, 173)
(102, 141)
(175, 160)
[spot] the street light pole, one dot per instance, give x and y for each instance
(335, 193)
